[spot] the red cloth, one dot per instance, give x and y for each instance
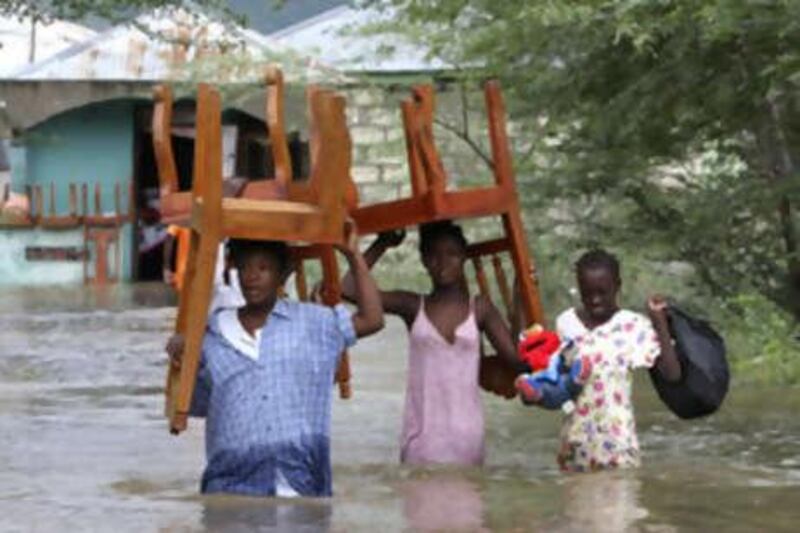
(536, 347)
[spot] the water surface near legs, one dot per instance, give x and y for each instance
(83, 445)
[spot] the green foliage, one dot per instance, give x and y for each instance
(112, 10)
(763, 342)
(668, 127)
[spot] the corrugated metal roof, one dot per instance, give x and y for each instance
(177, 45)
(268, 16)
(333, 37)
(15, 41)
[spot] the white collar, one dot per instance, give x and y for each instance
(570, 325)
(233, 331)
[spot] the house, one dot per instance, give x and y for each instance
(78, 141)
(81, 117)
(23, 42)
(334, 37)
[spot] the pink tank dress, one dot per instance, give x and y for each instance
(443, 419)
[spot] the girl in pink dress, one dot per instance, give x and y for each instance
(443, 420)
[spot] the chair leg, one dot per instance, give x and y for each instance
(184, 295)
(331, 295)
(300, 282)
(192, 318)
(523, 266)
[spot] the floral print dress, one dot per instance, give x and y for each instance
(601, 431)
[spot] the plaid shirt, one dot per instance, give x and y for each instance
(272, 413)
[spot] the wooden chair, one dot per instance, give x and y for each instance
(176, 204)
(431, 200)
(213, 218)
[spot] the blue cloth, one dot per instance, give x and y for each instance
(274, 413)
(556, 383)
(555, 393)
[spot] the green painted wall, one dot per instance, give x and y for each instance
(16, 270)
(86, 145)
(91, 144)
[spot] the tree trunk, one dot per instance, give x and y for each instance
(785, 169)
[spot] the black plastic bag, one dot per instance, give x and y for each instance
(704, 368)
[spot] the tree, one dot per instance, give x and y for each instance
(673, 123)
(114, 10)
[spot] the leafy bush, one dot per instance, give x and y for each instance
(763, 341)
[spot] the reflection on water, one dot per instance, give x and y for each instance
(83, 445)
(605, 501)
(240, 515)
(441, 503)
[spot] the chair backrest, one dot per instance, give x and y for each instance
(492, 250)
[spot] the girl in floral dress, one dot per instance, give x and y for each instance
(600, 432)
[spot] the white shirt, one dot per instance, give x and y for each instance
(225, 296)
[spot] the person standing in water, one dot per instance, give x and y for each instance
(265, 379)
(443, 421)
(600, 433)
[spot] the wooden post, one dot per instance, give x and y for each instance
(38, 201)
(73, 200)
(98, 199)
(52, 199)
(85, 212)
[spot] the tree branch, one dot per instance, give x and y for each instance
(467, 139)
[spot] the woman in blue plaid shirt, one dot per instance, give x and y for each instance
(266, 377)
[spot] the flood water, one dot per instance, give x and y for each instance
(84, 446)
